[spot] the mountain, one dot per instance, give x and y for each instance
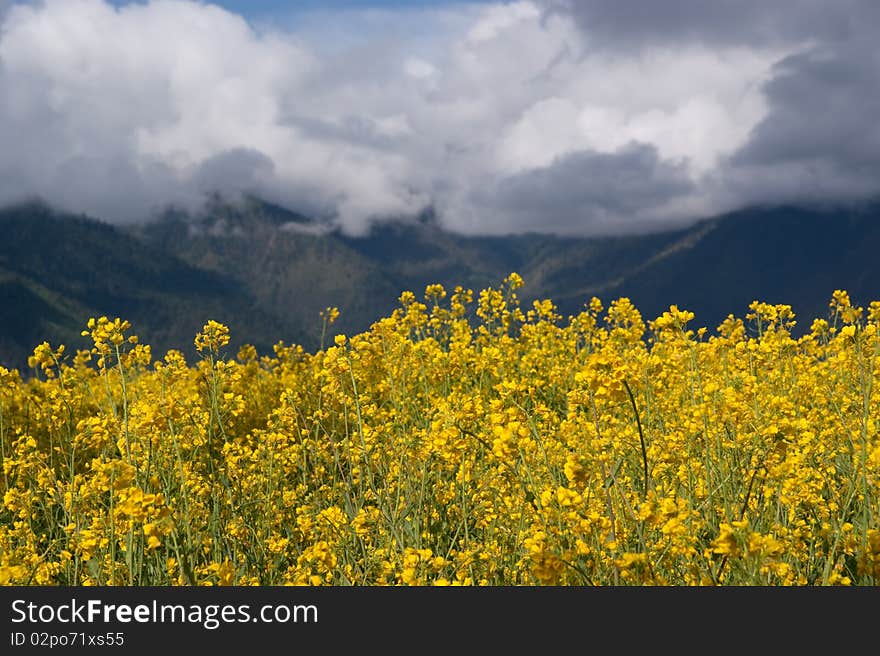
(268, 272)
(296, 268)
(56, 271)
(783, 255)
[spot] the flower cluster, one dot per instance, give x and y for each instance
(462, 440)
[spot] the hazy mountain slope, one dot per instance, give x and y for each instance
(268, 272)
(782, 255)
(289, 267)
(419, 254)
(32, 312)
(294, 270)
(57, 271)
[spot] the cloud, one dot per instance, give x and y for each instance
(587, 117)
(240, 168)
(628, 24)
(820, 139)
(589, 192)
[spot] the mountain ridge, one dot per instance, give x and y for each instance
(269, 272)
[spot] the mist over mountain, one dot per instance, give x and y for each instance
(268, 272)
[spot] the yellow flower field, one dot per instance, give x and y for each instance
(464, 440)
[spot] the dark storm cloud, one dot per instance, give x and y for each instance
(824, 105)
(235, 170)
(588, 192)
(353, 130)
(821, 138)
(629, 23)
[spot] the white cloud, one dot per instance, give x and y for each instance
(116, 112)
(418, 68)
(603, 105)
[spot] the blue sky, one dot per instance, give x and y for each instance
(280, 8)
(330, 24)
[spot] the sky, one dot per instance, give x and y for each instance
(579, 117)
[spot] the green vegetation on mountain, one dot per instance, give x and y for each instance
(268, 272)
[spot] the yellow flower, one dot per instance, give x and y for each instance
(213, 337)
